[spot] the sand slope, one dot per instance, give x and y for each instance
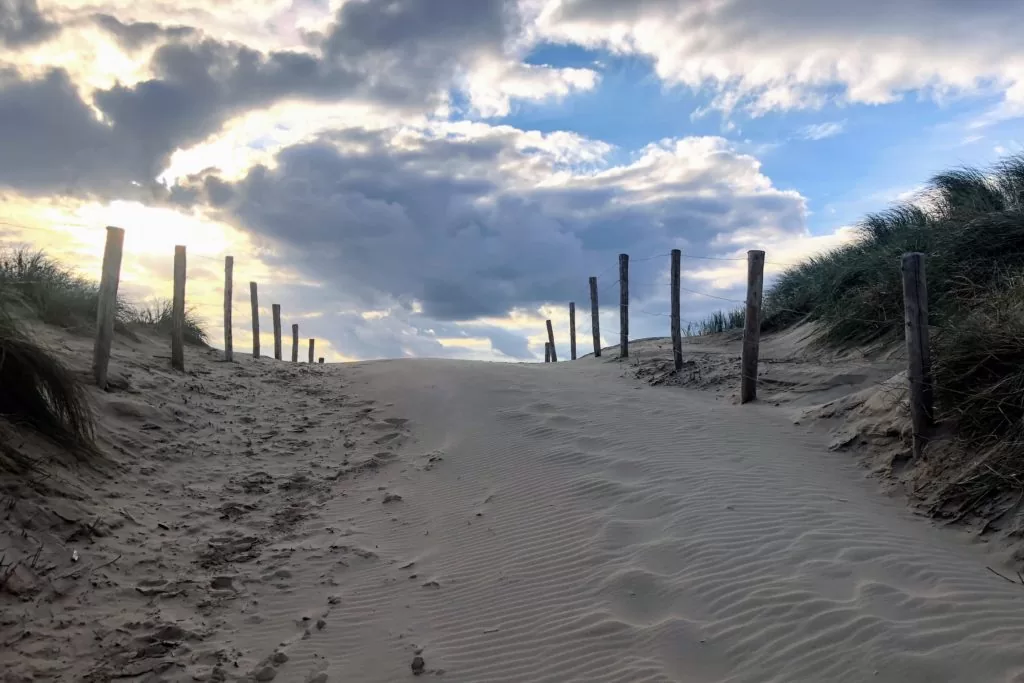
(506, 523)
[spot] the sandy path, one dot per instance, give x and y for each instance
(580, 528)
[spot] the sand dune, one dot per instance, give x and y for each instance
(502, 522)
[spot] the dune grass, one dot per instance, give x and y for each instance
(157, 317)
(970, 223)
(33, 283)
(719, 321)
(39, 391)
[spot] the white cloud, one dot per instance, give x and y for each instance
(820, 131)
(493, 83)
(767, 55)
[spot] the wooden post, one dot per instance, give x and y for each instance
(312, 343)
(178, 311)
(321, 361)
(106, 309)
(295, 343)
(623, 305)
(551, 342)
(229, 270)
(572, 330)
(547, 352)
(276, 308)
(919, 371)
(752, 326)
(595, 317)
(254, 297)
(677, 335)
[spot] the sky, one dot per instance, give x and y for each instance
(437, 178)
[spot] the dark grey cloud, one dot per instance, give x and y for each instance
(23, 24)
(466, 227)
(396, 53)
(135, 34)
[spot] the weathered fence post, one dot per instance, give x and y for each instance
(919, 371)
(623, 305)
(752, 326)
(321, 361)
(677, 334)
(595, 317)
(547, 352)
(572, 330)
(254, 297)
(106, 309)
(229, 270)
(178, 311)
(551, 341)
(312, 344)
(295, 343)
(276, 309)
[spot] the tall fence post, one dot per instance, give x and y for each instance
(295, 343)
(752, 326)
(178, 311)
(677, 333)
(312, 344)
(547, 352)
(623, 305)
(919, 372)
(595, 317)
(255, 300)
(572, 330)
(551, 341)
(229, 274)
(106, 309)
(276, 309)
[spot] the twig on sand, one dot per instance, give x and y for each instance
(78, 570)
(1004, 577)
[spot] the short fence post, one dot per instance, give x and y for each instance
(595, 317)
(551, 341)
(677, 334)
(254, 297)
(919, 372)
(106, 308)
(572, 330)
(547, 352)
(321, 361)
(229, 269)
(178, 311)
(752, 326)
(312, 344)
(276, 309)
(295, 343)
(623, 305)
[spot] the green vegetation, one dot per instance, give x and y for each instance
(33, 283)
(157, 317)
(36, 389)
(719, 321)
(970, 223)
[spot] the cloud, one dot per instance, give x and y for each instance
(461, 223)
(22, 24)
(769, 55)
(403, 55)
(820, 131)
(134, 35)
